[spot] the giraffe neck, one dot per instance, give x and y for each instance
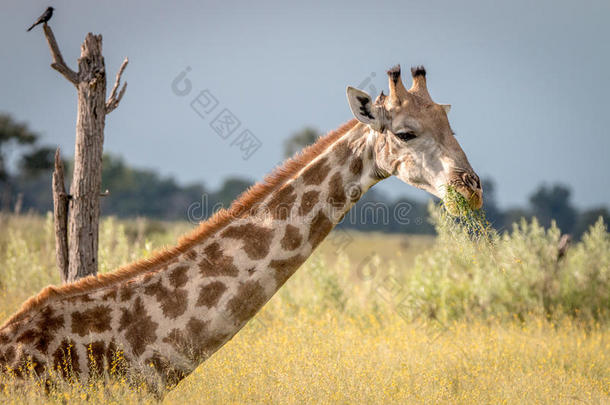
(192, 300)
(259, 251)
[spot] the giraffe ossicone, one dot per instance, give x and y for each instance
(167, 314)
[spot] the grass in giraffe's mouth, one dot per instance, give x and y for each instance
(459, 211)
(455, 203)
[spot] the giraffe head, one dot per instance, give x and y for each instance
(413, 140)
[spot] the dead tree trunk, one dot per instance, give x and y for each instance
(83, 210)
(60, 213)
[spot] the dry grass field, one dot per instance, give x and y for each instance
(375, 318)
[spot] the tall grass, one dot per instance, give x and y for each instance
(469, 316)
(473, 271)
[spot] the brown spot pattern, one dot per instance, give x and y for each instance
(209, 294)
(178, 276)
(45, 330)
(102, 358)
(249, 299)
(342, 152)
(320, 227)
(195, 341)
(7, 356)
(308, 201)
(96, 354)
(292, 238)
(286, 268)
(191, 254)
(94, 320)
(116, 359)
(215, 263)
(48, 325)
(126, 291)
(65, 358)
(170, 374)
(172, 302)
(355, 166)
(281, 203)
(139, 326)
(256, 239)
(110, 295)
(39, 365)
(316, 173)
(336, 193)
(28, 337)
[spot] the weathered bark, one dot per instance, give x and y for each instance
(84, 212)
(84, 205)
(60, 213)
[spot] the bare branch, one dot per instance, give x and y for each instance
(58, 61)
(118, 78)
(114, 100)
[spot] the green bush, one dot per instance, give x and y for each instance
(472, 270)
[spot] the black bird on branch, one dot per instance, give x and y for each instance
(46, 16)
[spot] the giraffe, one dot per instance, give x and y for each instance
(168, 314)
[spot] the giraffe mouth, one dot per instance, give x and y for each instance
(457, 209)
(474, 197)
(471, 192)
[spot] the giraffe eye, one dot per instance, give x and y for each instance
(406, 136)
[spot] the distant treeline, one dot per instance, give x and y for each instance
(26, 186)
(141, 192)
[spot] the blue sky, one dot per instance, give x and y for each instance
(528, 81)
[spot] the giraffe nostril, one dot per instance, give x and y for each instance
(471, 180)
(477, 181)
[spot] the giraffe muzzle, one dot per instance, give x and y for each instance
(468, 184)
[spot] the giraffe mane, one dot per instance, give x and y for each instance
(240, 207)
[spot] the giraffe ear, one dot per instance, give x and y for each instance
(446, 107)
(362, 107)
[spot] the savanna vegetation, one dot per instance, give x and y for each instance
(469, 316)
